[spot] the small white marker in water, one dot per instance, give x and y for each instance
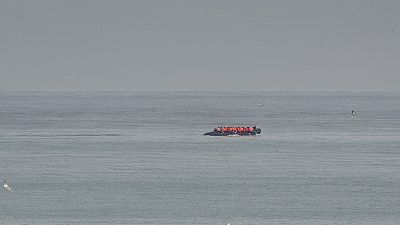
(6, 186)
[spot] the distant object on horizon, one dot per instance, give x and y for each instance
(6, 186)
(353, 114)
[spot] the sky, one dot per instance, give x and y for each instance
(211, 45)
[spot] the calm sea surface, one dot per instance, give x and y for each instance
(140, 158)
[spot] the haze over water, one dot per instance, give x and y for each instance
(141, 158)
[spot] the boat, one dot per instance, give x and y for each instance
(234, 131)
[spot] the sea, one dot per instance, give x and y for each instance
(141, 158)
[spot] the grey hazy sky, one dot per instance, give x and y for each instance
(200, 45)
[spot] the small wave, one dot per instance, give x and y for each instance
(67, 135)
(91, 135)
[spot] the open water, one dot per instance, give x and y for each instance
(140, 158)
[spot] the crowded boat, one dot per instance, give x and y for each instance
(225, 131)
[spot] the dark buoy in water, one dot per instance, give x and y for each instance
(353, 114)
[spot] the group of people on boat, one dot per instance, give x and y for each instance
(235, 129)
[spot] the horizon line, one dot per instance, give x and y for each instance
(187, 90)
